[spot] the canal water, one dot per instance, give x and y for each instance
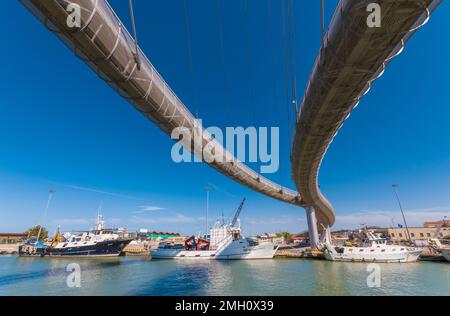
(136, 276)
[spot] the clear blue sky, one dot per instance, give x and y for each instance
(61, 127)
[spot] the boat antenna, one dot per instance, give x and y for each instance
(207, 189)
(50, 194)
(99, 216)
(392, 222)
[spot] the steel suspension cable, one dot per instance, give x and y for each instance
(286, 74)
(322, 3)
(222, 58)
(248, 57)
(292, 51)
(133, 26)
(190, 56)
(271, 26)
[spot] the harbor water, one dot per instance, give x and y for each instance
(138, 276)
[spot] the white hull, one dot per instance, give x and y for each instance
(238, 252)
(182, 254)
(397, 258)
(234, 250)
(381, 254)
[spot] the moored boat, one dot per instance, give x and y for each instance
(374, 249)
(33, 248)
(226, 243)
(35, 245)
(99, 242)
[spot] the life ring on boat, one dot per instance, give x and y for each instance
(33, 251)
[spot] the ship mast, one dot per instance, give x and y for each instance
(100, 225)
(207, 189)
(50, 194)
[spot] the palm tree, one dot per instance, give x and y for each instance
(33, 232)
(286, 236)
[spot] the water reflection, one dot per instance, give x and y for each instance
(125, 276)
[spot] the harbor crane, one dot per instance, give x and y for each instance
(238, 212)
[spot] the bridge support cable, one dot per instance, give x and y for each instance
(322, 7)
(248, 46)
(106, 46)
(271, 32)
(187, 26)
(292, 50)
(352, 57)
(286, 72)
(220, 25)
(133, 27)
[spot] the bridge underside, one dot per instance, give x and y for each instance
(353, 56)
(105, 45)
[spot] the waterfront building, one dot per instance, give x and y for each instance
(436, 224)
(9, 242)
(400, 234)
(12, 238)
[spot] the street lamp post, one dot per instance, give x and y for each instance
(395, 187)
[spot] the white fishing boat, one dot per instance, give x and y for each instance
(226, 243)
(374, 249)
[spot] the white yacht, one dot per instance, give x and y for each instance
(225, 243)
(374, 249)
